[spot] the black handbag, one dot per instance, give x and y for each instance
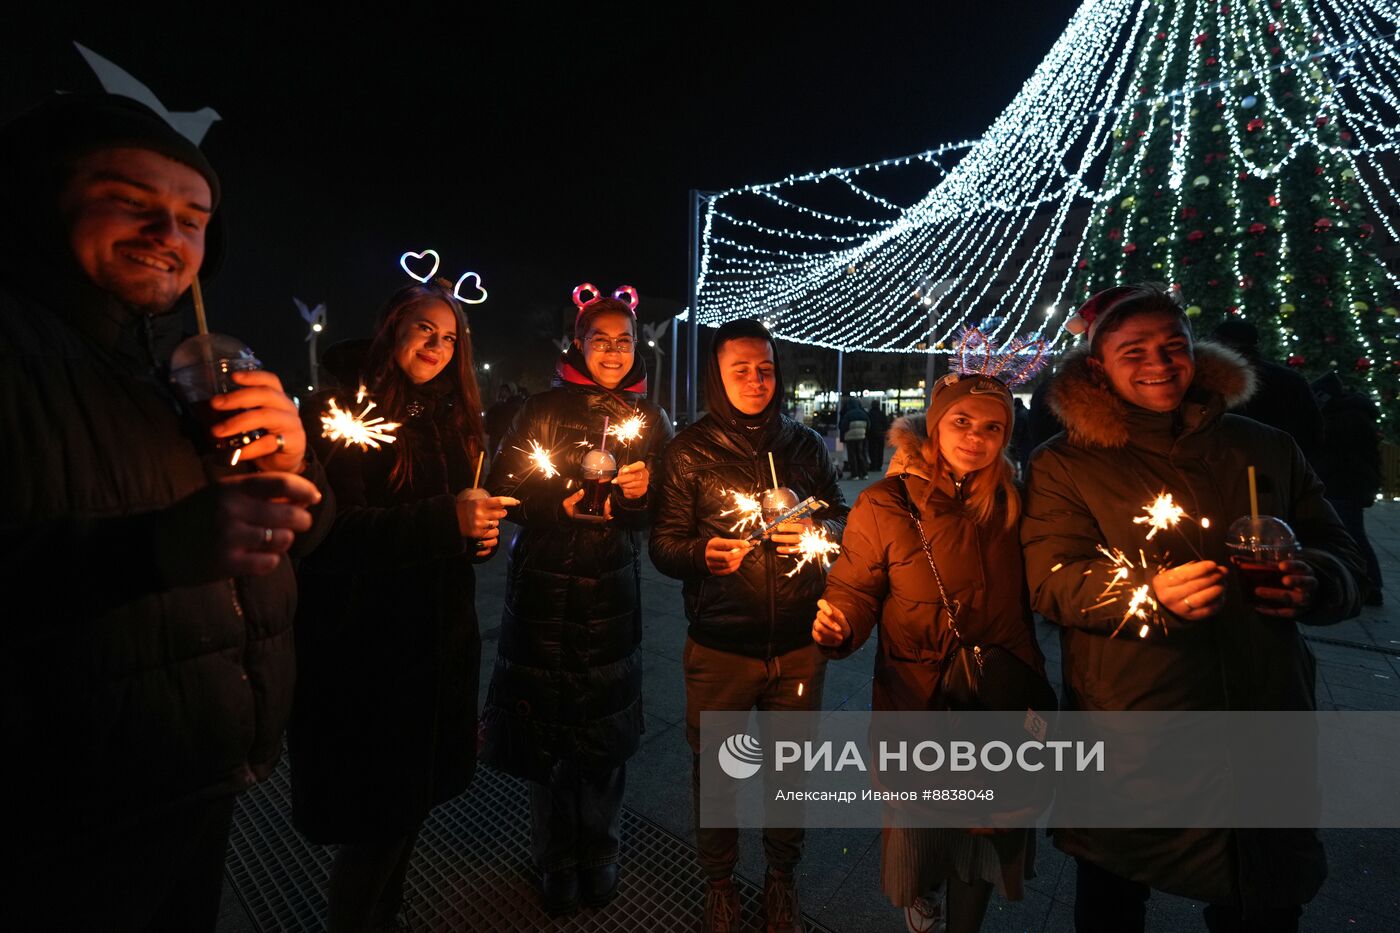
(976, 677)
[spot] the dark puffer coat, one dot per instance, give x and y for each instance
(388, 647)
(125, 691)
(568, 677)
(757, 611)
(1086, 486)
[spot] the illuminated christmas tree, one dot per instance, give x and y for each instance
(1245, 151)
(1234, 174)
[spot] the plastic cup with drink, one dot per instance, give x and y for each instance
(1257, 545)
(599, 468)
(202, 367)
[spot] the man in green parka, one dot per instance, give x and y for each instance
(1144, 408)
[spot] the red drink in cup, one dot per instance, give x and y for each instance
(1257, 545)
(599, 468)
(203, 367)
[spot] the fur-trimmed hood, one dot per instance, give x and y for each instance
(1094, 416)
(907, 436)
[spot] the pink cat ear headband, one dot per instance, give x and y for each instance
(623, 293)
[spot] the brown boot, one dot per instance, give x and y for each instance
(781, 911)
(721, 907)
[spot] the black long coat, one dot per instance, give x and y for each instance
(388, 647)
(568, 677)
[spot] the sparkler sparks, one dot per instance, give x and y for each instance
(628, 431)
(813, 547)
(339, 424)
(1160, 514)
(1131, 580)
(540, 460)
(749, 512)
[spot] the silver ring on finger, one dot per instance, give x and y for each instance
(267, 536)
(281, 443)
(1187, 601)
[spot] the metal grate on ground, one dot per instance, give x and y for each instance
(471, 869)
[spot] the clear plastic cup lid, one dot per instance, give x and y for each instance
(778, 500)
(202, 348)
(599, 461)
(1260, 533)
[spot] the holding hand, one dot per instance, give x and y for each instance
(632, 480)
(1296, 596)
(1194, 591)
(262, 405)
(786, 535)
(481, 519)
(571, 506)
(238, 526)
(724, 555)
(830, 627)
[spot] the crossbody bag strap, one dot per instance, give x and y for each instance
(951, 606)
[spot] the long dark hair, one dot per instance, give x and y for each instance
(391, 386)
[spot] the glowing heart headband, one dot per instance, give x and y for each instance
(413, 272)
(623, 293)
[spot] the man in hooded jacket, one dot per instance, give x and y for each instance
(152, 675)
(1144, 407)
(749, 642)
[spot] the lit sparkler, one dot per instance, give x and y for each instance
(1162, 513)
(1131, 580)
(749, 512)
(339, 424)
(813, 547)
(628, 431)
(540, 460)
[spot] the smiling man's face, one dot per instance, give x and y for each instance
(136, 221)
(1148, 360)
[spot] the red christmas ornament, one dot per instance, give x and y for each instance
(1275, 51)
(1219, 104)
(1295, 361)
(1142, 133)
(1213, 283)
(1321, 121)
(1364, 230)
(1187, 213)
(1362, 364)
(1127, 144)
(1322, 225)
(1233, 311)
(1115, 234)
(1211, 61)
(1273, 28)
(1256, 124)
(1161, 35)
(1273, 200)
(1346, 136)
(1195, 236)
(1202, 38)
(1129, 249)
(1257, 228)
(1260, 253)
(1317, 169)
(1083, 263)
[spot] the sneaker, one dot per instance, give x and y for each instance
(721, 907)
(925, 915)
(781, 912)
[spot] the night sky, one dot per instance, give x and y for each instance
(537, 148)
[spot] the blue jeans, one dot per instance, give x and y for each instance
(576, 819)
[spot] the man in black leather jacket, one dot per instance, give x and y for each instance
(750, 642)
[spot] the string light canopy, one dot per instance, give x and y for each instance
(1008, 230)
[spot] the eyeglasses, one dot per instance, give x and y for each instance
(622, 345)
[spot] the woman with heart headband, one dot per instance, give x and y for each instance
(564, 709)
(388, 647)
(951, 475)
